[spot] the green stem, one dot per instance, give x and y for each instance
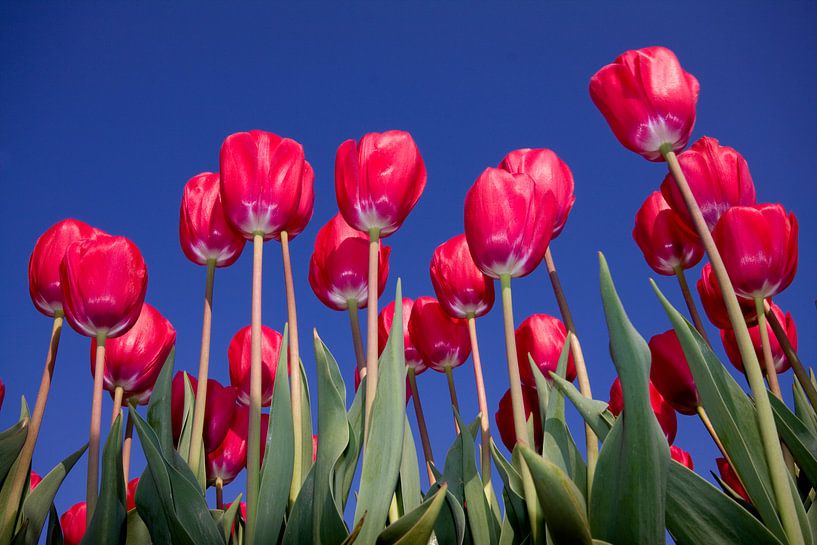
(452, 392)
(254, 432)
(517, 403)
(194, 454)
(791, 354)
(421, 424)
(371, 332)
(485, 430)
(92, 483)
(693, 310)
(768, 359)
(357, 340)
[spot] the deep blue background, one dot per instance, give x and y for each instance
(106, 111)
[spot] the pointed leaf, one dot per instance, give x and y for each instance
(409, 493)
(477, 510)
(593, 411)
(299, 522)
(415, 528)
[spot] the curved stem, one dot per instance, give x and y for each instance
(768, 359)
(357, 340)
(791, 355)
(519, 422)
(118, 394)
(126, 446)
(371, 330)
(421, 424)
(92, 484)
(709, 428)
(693, 310)
(452, 392)
(195, 451)
(485, 452)
(219, 494)
(254, 432)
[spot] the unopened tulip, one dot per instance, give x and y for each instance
(718, 177)
(33, 480)
(441, 340)
(509, 220)
(504, 418)
(72, 523)
(543, 337)
(103, 281)
(133, 361)
(130, 499)
(781, 362)
(262, 178)
(384, 321)
(729, 476)
(670, 373)
(712, 300)
(663, 410)
(227, 460)
(648, 100)
(460, 286)
(238, 353)
(338, 268)
(758, 245)
(548, 171)
(682, 457)
(204, 232)
(44, 263)
(666, 245)
(218, 411)
(378, 180)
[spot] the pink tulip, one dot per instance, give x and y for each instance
(384, 321)
(670, 373)
(682, 457)
(663, 410)
(227, 460)
(729, 476)
(238, 353)
(442, 341)
(712, 300)
(781, 362)
(543, 337)
(219, 409)
(460, 286)
(72, 523)
(504, 418)
(665, 243)
(130, 499)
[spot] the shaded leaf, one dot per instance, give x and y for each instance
(409, 493)
(107, 525)
(299, 522)
(415, 528)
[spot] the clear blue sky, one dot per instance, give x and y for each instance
(107, 110)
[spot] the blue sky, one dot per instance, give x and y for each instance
(107, 110)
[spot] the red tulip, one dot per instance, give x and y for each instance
(548, 171)
(134, 360)
(229, 458)
(758, 245)
(663, 410)
(103, 281)
(718, 177)
(238, 353)
(670, 373)
(384, 321)
(509, 219)
(131, 494)
(218, 410)
(461, 288)
(44, 263)
(2, 393)
(204, 232)
(729, 476)
(442, 341)
(264, 430)
(338, 268)
(242, 507)
(314, 448)
(300, 216)
(662, 239)
(781, 362)
(543, 337)
(712, 300)
(647, 99)
(682, 457)
(33, 480)
(378, 180)
(263, 177)
(72, 523)
(504, 418)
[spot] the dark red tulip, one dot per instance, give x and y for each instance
(442, 341)
(712, 300)
(44, 263)
(758, 245)
(509, 219)
(338, 268)
(729, 476)
(204, 232)
(33, 480)
(682, 457)
(378, 180)
(242, 508)
(264, 431)
(384, 321)
(133, 361)
(718, 177)
(130, 499)
(263, 177)
(218, 410)
(2, 392)
(314, 448)
(548, 171)
(227, 460)
(72, 523)
(461, 288)
(543, 337)
(103, 281)
(663, 410)
(781, 362)
(504, 418)
(670, 373)
(238, 353)
(648, 100)
(665, 243)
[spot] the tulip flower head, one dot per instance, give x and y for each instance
(664, 412)
(2, 392)
(442, 341)
(44, 263)
(384, 322)
(543, 338)
(731, 479)
(33, 480)
(666, 245)
(781, 362)
(648, 100)
(670, 373)
(218, 410)
(682, 457)
(504, 418)
(227, 460)
(712, 300)
(130, 499)
(238, 353)
(72, 523)
(378, 180)
(460, 286)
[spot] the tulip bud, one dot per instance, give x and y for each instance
(729, 477)
(504, 418)
(227, 460)
(378, 180)
(262, 178)
(670, 373)
(781, 362)
(103, 281)
(547, 170)
(338, 268)
(72, 523)
(204, 232)
(218, 409)
(130, 499)
(664, 412)
(442, 341)
(33, 480)
(384, 321)
(239, 352)
(134, 360)
(508, 222)
(712, 300)
(758, 245)
(44, 263)
(662, 239)
(543, 337)
(648, 100)
(461, 288)
(718, 177)
(682, 457)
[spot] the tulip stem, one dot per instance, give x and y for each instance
(118, 394)
(693, 310)
(219, 494)
(712, 433)
(357, 340)
(519, 422)
(194, 453)
(126, 446)
(765, 419)
(791, 355)
(452, 392)
(371, 330)
(23, 462)
(591, 441)
(92, 484)
(768, 359)
(254, 432)
(295, 377)
(485, 430)
(421, 424)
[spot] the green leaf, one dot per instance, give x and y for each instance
(226, 519)
(480, 519)
(628, 500)
(593, 411)
(306, 424)
(299, 523)
(107, 525)
(186, 435)
(159, 406)
(11, 441)
(802, 407)
(542, 388)
(450, 526)
(409, 493)
(513, 493)
(138, 533)
(53, 535)
(801, 441)
(347, 465)
(415, 528)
